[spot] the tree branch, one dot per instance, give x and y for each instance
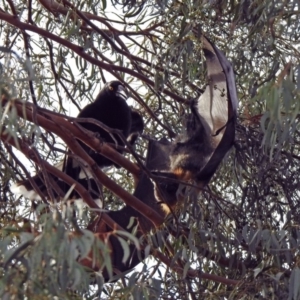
(68, 132)
(80, 51)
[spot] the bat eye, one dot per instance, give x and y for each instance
(111, 88)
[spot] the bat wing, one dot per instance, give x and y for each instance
(217, 107)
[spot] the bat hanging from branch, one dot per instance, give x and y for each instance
(209, 133)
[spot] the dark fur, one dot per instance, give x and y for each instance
(189, 155)
(165, 191)
(191, 151)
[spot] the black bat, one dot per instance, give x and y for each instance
(209, 133)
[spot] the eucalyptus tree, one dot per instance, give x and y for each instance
(239, 236)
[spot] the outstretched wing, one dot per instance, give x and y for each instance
(217, 107)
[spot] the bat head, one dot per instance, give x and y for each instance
(116, 88)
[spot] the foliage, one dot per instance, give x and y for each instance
(242, 234)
